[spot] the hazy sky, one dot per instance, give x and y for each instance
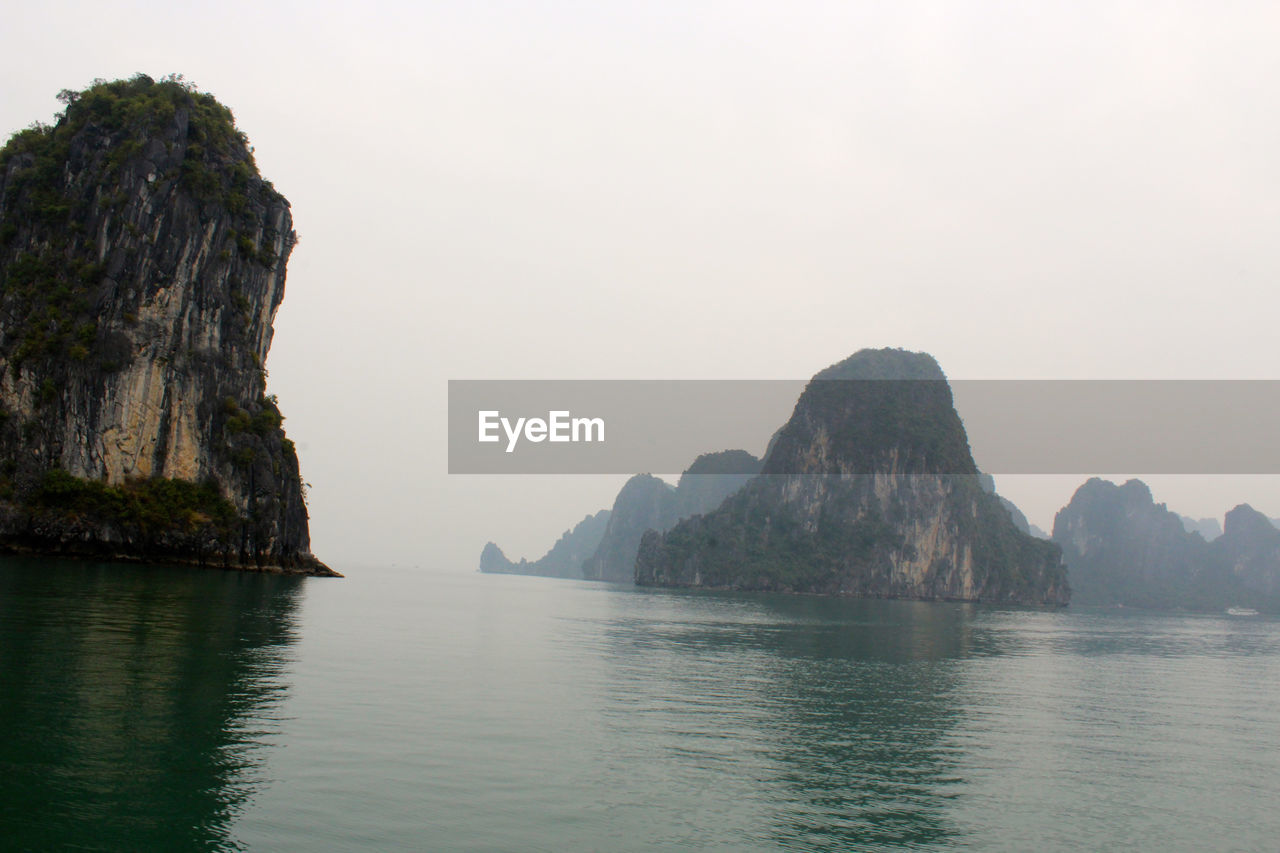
(714, 190)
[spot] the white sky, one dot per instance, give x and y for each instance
(714, 190)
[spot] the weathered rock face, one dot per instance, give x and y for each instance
(565, 558)
(1125, 549)
(647, 503)
(869, 490)
(142, 261)
(1250, 548)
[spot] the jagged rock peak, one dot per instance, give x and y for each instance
(493, 560)
(565, 558)
(1244, 520)
(886, 410)
(888, 363)
(723, 462)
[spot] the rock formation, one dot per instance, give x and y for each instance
(1125, 549)
(1209, 528)
(142, 260)
(565, 558)
(644, 502)
(868, 490)
(1249, 549)
(988, 484)
(647, 503)
(603, 546)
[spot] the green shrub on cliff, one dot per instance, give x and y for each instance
(149, 506)
(106, 130)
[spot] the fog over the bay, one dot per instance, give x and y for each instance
(714, 190)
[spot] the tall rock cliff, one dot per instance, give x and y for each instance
(1250, 550)
(1125, 549)
(868, 490)
(142, 260)
(644, 502)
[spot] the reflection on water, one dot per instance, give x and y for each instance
(846, 708)
(862, 736)
(145, 709)
(134, 701)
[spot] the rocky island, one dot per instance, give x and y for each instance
(868, 490)
(647, 503)
(603, 546)
(1126, 550)
(142, 261)
(565, 558)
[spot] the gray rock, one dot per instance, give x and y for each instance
(868, 490)
(1209, 528)
(565, 558)
(1125, 549)
(136, 317)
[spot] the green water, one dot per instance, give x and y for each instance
(170, 709)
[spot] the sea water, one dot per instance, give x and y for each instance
(428, 709)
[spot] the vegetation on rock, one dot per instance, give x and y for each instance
(868, 490)
(141, 263)
(51, 283)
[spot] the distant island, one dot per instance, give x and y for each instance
(564, 560)
(1125, 549)
(603, 546)
(868, 490)
(142, 260)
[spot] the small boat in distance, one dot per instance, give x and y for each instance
(1241, 611)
